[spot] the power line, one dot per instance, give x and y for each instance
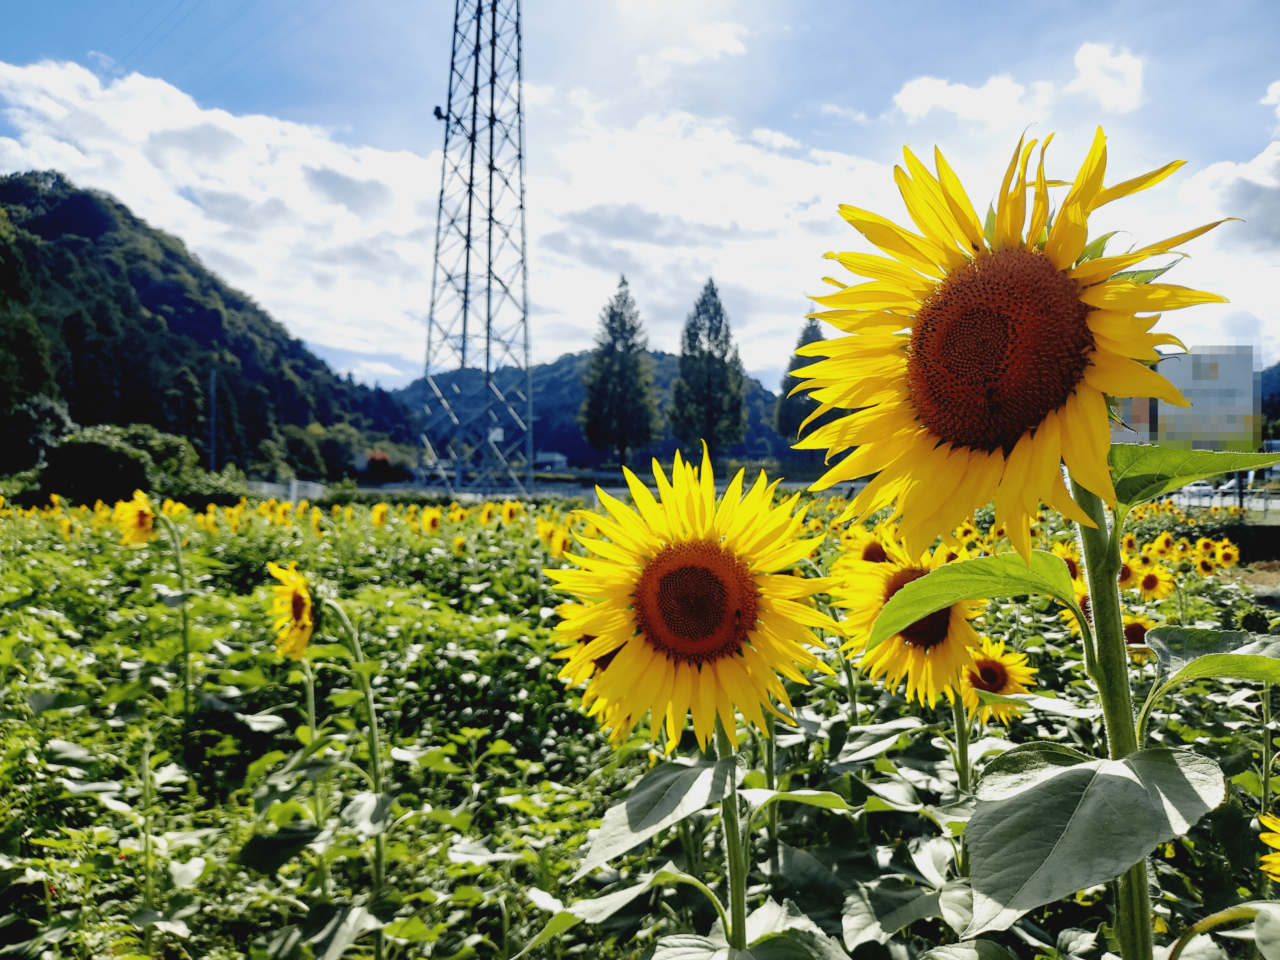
(151, 32)
(272, 48)
(200, 47)
(177, 23)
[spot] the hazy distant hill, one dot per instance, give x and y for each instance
(558, 394)
(132, 324)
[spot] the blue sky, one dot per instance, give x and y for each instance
(738, 127)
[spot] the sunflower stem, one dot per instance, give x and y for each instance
(175, 539)
(375, 758)
(1111, 675)
(734, 853)
(771, 783)
(960, 716)
(854, 684)
(318, 798)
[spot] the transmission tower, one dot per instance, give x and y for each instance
(479, 430)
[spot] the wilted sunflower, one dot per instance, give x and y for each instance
(930, 653)
(296, 613)
(1270, 862)
(137, 519)
(1015, 338)
(995, 671)
(682, 609)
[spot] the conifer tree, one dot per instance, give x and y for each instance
(790, 411)
(707, 398)
(620, 410)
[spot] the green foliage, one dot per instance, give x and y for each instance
(1141, 472)
(790, 410)
(707, 400)
(620, 410)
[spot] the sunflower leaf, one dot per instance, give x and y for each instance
(969, 950)
(667, 794)
(1142, 472)
(983, 578)
(1077, 825)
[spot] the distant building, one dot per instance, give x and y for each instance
(1224, 385)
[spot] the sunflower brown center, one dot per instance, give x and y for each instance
(299, 606)
(696, 601)
(1000, 343)
(1073, 568)
(1150, 582)
(989, 675)
(927, 633)
(873, 552)
(1135, 634)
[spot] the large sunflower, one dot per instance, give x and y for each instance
(683, 610)
(930, 653)
(1014, 339)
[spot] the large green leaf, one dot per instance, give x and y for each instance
(668, 793)
(1191, 654)
(1004, 575)
(969, 950)
(1141, 471)
(1074, 825)
(268, 852)
(875, 911)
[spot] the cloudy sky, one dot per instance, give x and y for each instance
(291, 144)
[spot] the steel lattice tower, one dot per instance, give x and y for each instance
(479, 432)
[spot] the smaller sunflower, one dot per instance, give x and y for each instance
(1205, 546)
(1228, 555)
(1070, 556)
(432, 519)
(863, 546)
(1135, 636)
(1129, 543)
(1162, 546)
(1082, 600)
(459, 545)
(378, 515)
(1155, 583)
(137, 520)
(1143, 561)
(1206, 567)
(995, 671)
(510, 511)
(930, 653)
(1271, 862)
(294, 609)
(1183, 549)
(1128, 578)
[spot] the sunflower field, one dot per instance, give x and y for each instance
(1008, 703)
(189, 767)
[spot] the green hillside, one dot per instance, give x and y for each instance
(558, 395)
(122, 324)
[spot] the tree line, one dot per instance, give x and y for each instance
(620, 411)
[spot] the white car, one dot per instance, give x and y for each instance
(1199, 488)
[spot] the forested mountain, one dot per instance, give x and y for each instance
(123, 324)
(558, 394)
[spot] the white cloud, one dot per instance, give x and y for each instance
(710, 42)
(848, 113)
(1114, 79)
(1273, 99)
(998, 103)
(772, 138)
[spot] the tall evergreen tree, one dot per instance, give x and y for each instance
(707, 399)
(790, 411)
(620, 411)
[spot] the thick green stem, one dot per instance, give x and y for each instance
(375, 756)
(1111, 675)
(960, 716)
(319, 796)
(771, 783)
(175, 539)
(734, 853)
